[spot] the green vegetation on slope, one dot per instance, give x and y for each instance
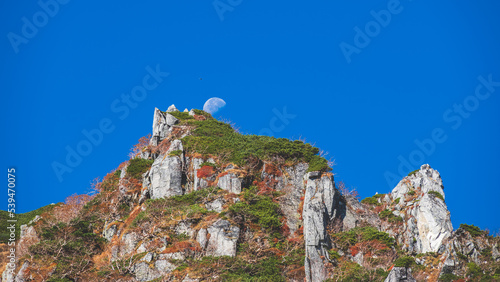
(212, 137)
(137, 167)
(373, 200)
(22, 218)
(361, 234)
(472, 229)
(258, 209)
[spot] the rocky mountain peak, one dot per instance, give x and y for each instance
(200, 202)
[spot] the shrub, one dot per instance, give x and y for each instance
(259, 209)
(473, 230)
(362, 234)
(389, 216)
(72, 246)
(22, 218)
(333, 254)
(373, 200)
(137, 167)
(397, 201)
(411, 192)
(437, 195)
(413, 172)
(448, 277)
(175, 153)
(212, 137)
(208, 164)
(473, 270)
(404, 261)
(181, 115)
(385, 214)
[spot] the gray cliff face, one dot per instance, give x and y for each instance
(427, 222)
(162, 125)
(230, 182)
(165, 177)
(320, 204)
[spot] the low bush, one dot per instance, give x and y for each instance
(175, 153)
(413, 172)
(373, 200)
(448, 277)
(404, 261)
(212, 137)
(361, 234)
(137, 167)
(437, 195)
(260, 209)
(473, 230)
(181, 115)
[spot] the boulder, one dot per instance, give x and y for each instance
(223, 238)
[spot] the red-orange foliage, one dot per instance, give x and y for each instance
(182, 247)
(285, 230)
(354, 250)
(137, 149)
(71, 207)
(378, 209)
(271, 169)
(199, 117)
(300, 231)
(205, 171)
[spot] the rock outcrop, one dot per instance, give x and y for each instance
(162, 124)
(420, 201)
(165, 177)
(320, 203)
(398, 274)
(286, 221)
(222, 239)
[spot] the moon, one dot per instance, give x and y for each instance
(213, 105)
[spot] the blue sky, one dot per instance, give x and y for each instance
(364, 80)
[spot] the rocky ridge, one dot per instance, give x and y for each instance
(185, 209)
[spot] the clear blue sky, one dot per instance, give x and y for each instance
(404, 77)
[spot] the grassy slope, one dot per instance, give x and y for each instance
(22, 218)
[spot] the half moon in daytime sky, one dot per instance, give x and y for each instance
(213, 105)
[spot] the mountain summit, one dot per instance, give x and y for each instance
(198, 201)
